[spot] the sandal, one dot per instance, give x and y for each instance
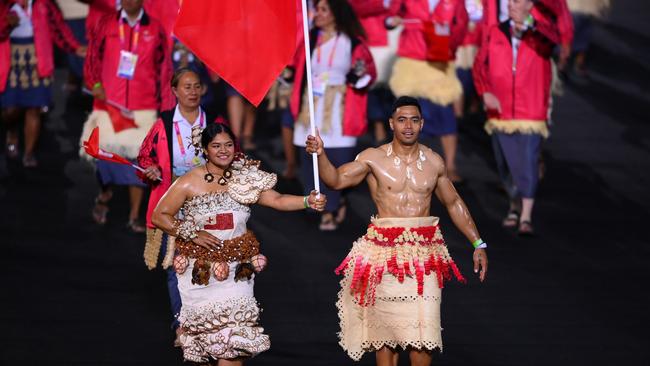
(136, 226)
(248, 144)
(526, 229)
(511, 220)
(289, 172)
(100, 211)
(177, 340)
(29, 161)
(12, 151)
(327, 223)
(341, 212)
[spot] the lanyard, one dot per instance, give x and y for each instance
(136, 35)
(179, 138)
(332, 53)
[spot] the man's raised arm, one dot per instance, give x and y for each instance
(347, 175)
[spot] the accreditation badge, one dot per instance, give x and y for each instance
(320, 84)
(126, 67)
(442, 29)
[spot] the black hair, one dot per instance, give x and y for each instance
(345, 18)
(178, 74)
(212, 130)
(404, 101)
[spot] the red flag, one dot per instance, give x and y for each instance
(246, 42)
(92, 148)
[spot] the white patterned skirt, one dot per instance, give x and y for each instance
(219, 320)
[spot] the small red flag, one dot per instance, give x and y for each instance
(92, 148)
(120, 120)
(246, 42)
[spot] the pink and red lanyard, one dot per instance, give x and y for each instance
(319, 43)
(179, 138)
(136, 36)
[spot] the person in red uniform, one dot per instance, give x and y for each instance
(433, 30)
(28, 31)
(496, 11)
(465, 55)
(383, 46)
(512, 73)
(129, 71)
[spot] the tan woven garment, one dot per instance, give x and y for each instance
(399, 318)
(330, 95)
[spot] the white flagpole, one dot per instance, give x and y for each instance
(310, 90)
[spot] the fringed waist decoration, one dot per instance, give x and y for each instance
(413, 252)
(244, 249)
(231, 250)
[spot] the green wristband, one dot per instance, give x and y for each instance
(477, 242)
(97, 85)
(305, 202)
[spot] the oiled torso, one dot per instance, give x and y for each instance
(400, 185)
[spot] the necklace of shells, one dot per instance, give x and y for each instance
(397, 161)
(209, 177)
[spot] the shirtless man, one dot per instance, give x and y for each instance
(391, 287)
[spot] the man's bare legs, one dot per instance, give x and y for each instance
(420, 358)
(100, 211)
(380, 132)
(248, 129)
(135, 199)
(32, 132)
(386, 357)
(525, 221)
(236, 110)
(235, 362)
(11, 117)
(449, 147)
(459, 107)
(289, 153)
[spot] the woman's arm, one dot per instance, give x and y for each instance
(289, 202)
(147, 157)
(61, 33)
(164, 217)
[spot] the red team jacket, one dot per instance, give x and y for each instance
(150, 87)
(372, 14)
(412, 43)
(523, 88)
(558, 8)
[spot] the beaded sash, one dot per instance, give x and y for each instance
(414, 252)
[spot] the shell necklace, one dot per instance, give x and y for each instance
(397, 161)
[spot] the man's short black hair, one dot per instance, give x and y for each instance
(405, 101)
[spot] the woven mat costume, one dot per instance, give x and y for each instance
(219, 316)
(391, 287)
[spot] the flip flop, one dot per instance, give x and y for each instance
(327, 223)
(526, 229)
(12, 151)
(136, 227)
(511, 220)
(100, 211)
